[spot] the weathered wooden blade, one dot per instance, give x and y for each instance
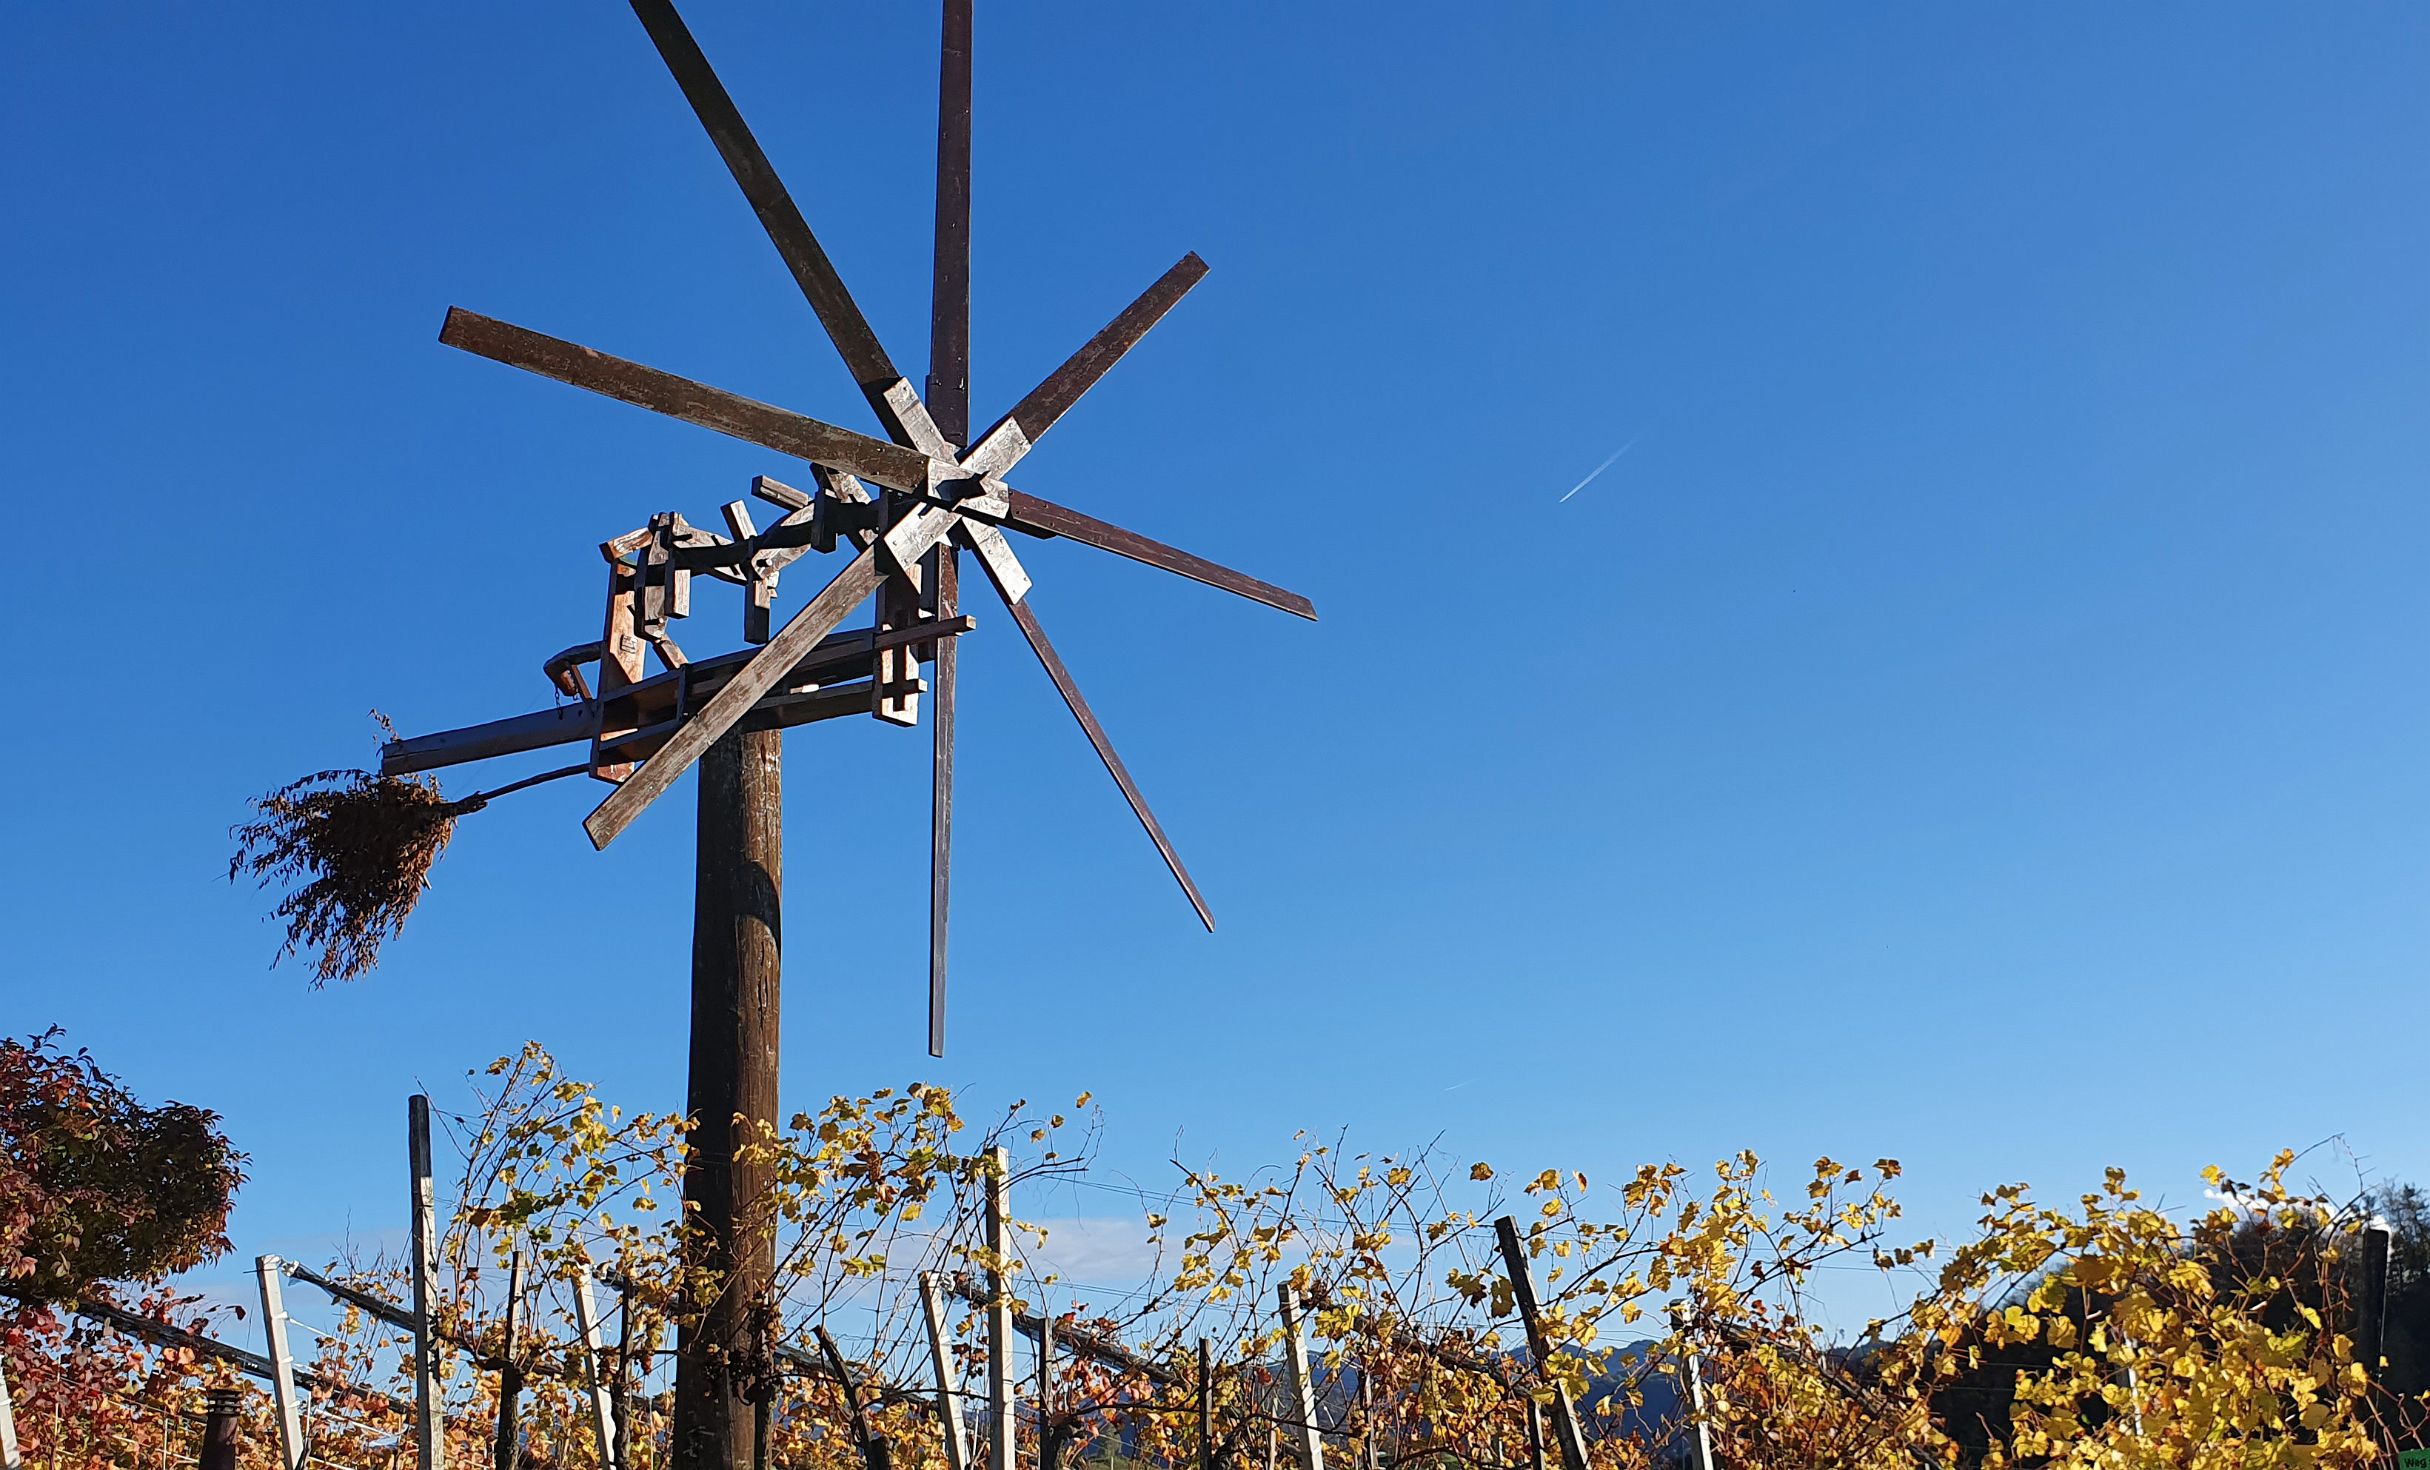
(812, 271)
(835, 661)
(948, 394)
(908, 540)
(1051, 399)
(1045, 518)
(945, 571)
(1055, 670)
(743, 418)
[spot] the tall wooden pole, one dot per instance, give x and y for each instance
(283, 1401)
(1301, 1379)
(8, 1426)
(949, 1384)
(736, 926)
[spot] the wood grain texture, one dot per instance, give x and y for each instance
(768, 666)
(1055, 395)
(677, 397)
(1045, 518)
(1027, 620)
(812, 271)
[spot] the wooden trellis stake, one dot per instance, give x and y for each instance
(594, 1345)
(430, 1433)
(1523, 1294)
(1535, 1434)
(1046, 1392)
(1303, 1389)
(999, 1311)
(949, 1388)
(291, 1447)
(1206, 1406)
(510, 1373)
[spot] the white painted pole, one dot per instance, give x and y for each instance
(940, 1359)
(9, 1459)
(1303, 1389)
(594, 1343)
(291, 1447)
(999, 1312)
(430, 1424)
(1046, 1389)
(1692, 1365)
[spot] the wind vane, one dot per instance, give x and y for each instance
(905, 506)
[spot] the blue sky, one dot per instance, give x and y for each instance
(1979, 721)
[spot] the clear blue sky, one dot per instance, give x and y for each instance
(1982, 720)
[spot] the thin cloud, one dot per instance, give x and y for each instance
(1599, 469)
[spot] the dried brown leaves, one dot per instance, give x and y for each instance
(358, 849)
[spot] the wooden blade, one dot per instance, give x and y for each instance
(1045, 518)
(945, 573)
(909, 540)
(1055, 670)
(812, 271)
(1051, 399)
(743, 418)
(949, 317)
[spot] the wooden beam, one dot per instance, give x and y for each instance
(726, 413)
(1566, 1430)
(1054, 397)
(563, 724)
(778, 215)
(1045, 518)
(907, 541)
(1079, 1341)
(1027, 621)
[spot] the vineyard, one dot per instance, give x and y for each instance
(1335, 1308)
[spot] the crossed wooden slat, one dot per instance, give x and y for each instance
(948, 496)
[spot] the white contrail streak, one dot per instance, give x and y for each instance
(1599, 469)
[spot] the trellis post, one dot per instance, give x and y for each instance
(940, 1360)
(1535, 1434)
(1303, 1390)
(1700, 1447)
(1046, 1389)
(510, 1373)
(1523, 1294)
(291, 1448)
(999, 1311)
(594, 1344)
(430, 1447)
(1206, 1406)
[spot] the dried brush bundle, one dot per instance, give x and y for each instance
(358, 849)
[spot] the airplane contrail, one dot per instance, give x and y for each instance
(1599, 469)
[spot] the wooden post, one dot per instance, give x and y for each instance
(9, 1459)
(1303, 1389)
(1523, 1293)
(1206, 1406)
(949, 1388)
(594, 1343)
(430, 1425)
(999, 1311)
(1535, 1434)
(2371, 1298)
(736, 923)
(291, 1448)
(1046, 1389)
(1370, 1452)
(510, 1374)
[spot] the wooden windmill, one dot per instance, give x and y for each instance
(905, 507)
